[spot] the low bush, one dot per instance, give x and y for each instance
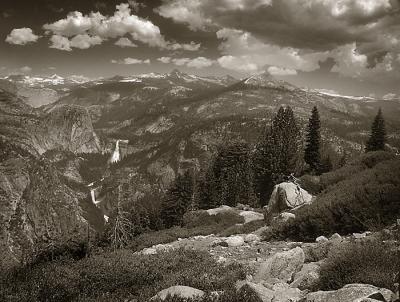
(246, 228)
(118, 276)
(369, 262)
(366, 200)
(201, 218)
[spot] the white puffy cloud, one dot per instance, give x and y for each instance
(95, 27)
(199, 62)
(21, 36)
(243, 52)
(164, 60)
(125, 42)
(85, 41)
(279, 71)
(60, 42)
(130, 61)
(186, 46)
(238, 63)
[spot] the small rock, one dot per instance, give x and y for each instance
(336, 237)
(321, 239)
(234, 241)
(252, 238)
(307, 277)
(179, 291)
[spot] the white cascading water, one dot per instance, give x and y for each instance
(116, 156)
(93, 196)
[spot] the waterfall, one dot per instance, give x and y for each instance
(116, 156)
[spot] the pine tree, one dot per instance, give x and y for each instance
(377, 137)
(312, 154)
(177, 200)
(277, 154)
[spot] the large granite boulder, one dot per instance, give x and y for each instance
(276, 294)
(286, 196)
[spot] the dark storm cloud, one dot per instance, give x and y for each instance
(315, 24)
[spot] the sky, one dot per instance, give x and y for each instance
(345, 46)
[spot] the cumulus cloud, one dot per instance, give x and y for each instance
(165, 60)
(21, 36)
(60, 42)
(94, 28)
(279, 71)
(199, 62)
(130, 61)
(125, 42)
(297, 34)
(243, 52)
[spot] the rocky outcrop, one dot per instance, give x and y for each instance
(286, 196)
(37, 210)
(350, 293)
(307, 277)
(67, 128)
(179, 291)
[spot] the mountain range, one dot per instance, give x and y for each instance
(51, 127)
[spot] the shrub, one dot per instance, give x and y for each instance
(202, 218)
(119, 276)
(246, 228)
(366, 200)
(369, 262)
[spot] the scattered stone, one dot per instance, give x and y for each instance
(321, 239)
(349, 293)
(336, 237)
(307, 277)
(249, 216)
(362, 235)
(282, 265)
(234, 241)
(252, 238)
(221, 209)
(283, 294)
(180, 292)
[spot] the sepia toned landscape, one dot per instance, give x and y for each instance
(207, 151)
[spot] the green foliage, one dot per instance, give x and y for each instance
(312, 154)
(118, 276)
(369, 262)
(229, 178)
(177, 200)
(363, 196)
(377, 137)
(277, 154)
(200, 218)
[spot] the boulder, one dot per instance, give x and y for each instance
(282, 265)
(221, 209)
(249, 216)
(321, 239)
(280, 294)
(336, 237)
(285, 216)
(234, 241)
(252, 238)
(286, 196)
(350, 293)
(180, 292)
(307, 277)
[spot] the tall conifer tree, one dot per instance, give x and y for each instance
(377, 137)
(312, 155)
